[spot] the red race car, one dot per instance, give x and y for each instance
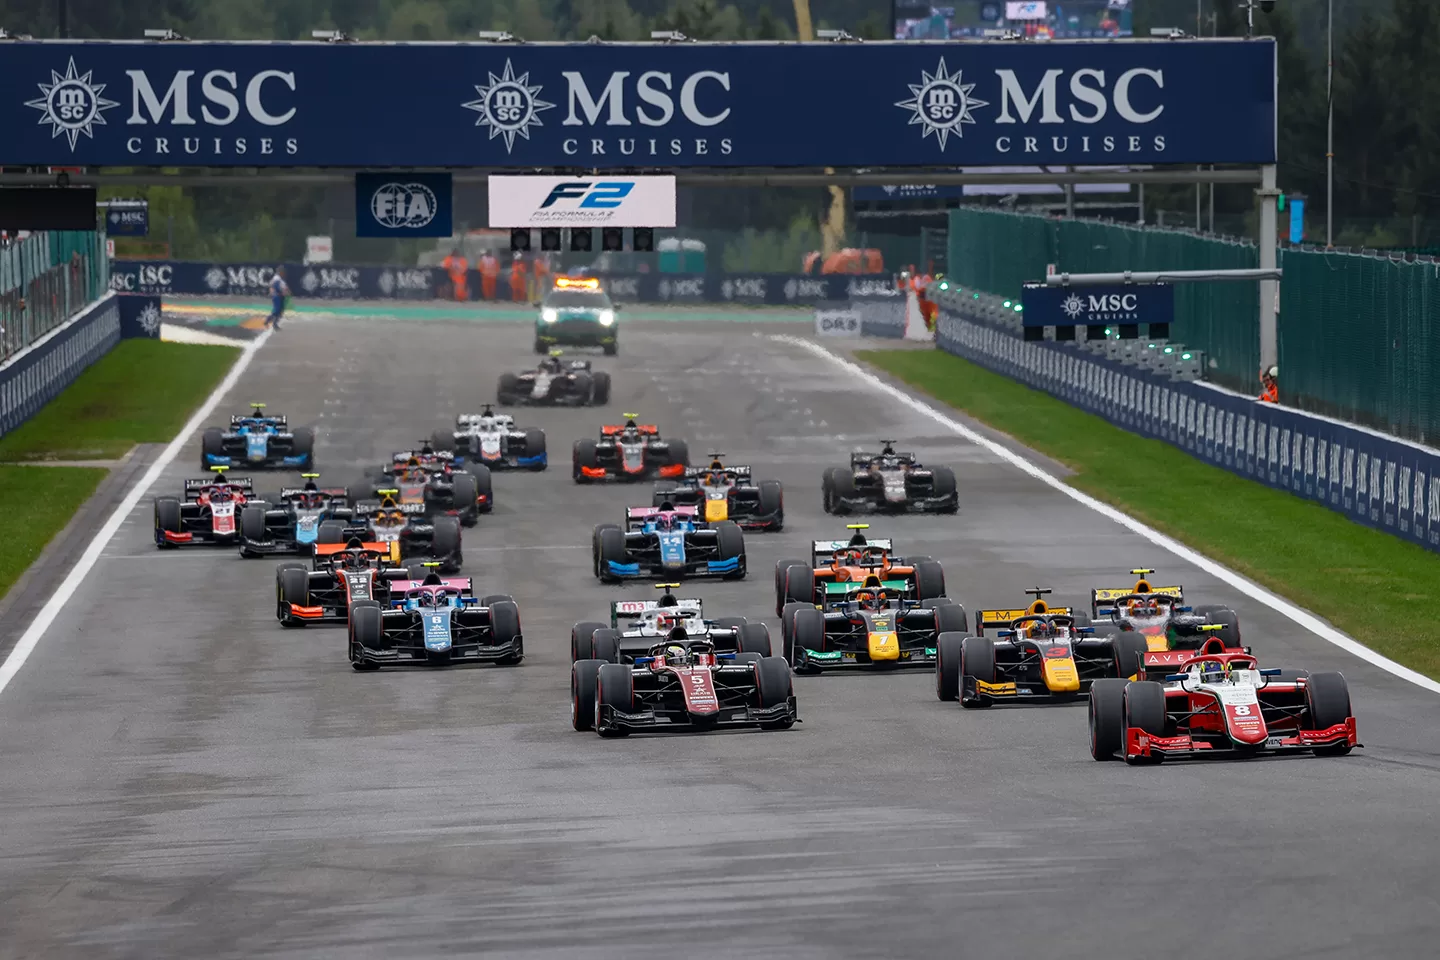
(629, 451)
(1221, 704)
(208, 513)
(342, 573)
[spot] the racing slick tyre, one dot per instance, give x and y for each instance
(540, 348)
(730, 544)
(605, 645)
(293, 587)
(943, 485)
(484, 486)
(330, 531)
(584, 454)
(252, 527)
(505, 628)
(611, 349)
(772, 502)
(730, 623)
(1327, 703)
(754, 638)
(929, 580)
(366, 633)
(838, 485)
(535, 447)
(1219, 613)
(601, 396)
(212, 443)
(679, 452)
(582, 640)
(977, 659)
(509, 387)
(417, 570)
(595, 544)
(797, 585)
(774, 683)
(1107, 717)
(1130, 648)
(787, 621)
(615, 688)
(303, 445)
(950, 617)
(167, 519)
(583, 677)
(584, 388)
(443, 440)
(495, 598)
(947, 665)
(1145, 710)
(445, 544)
(466, 495)
(806, 633)
(609, 546)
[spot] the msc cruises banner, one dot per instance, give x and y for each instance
(602, 106)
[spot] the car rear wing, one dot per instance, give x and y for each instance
(502, 420)
(370, 506)
(244, 484)
(827, 547)
(1102, 599)
(463, 584)
(403, 455)
(635, 609)
(862, 459)
(610, 430)
(741, 472)
(1004, 618)
(288, 492)
(839, 590)
(645, 513)
(278, 420)
(330, 549)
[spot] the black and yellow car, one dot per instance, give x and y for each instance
(577, 313)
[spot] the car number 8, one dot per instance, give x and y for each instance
(1242, 711)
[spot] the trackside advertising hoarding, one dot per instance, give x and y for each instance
(582, 201)
(637, 105)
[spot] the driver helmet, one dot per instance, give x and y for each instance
(1213, 671)
(855, 557)
(675, 653)
(1039, 628)
(550, 364)
(1145, 608)
(714, 478)
(664, 622)
(312, 499)
(665, 521)
(356, 559)
(868, 600)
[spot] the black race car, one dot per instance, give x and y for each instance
(290, 521)
(726, 493)
(258, 442)
(555, 383)
(404, 528)
(339, 575)
(889, 482)
(629, 451)
(431, 477)
(435, 622)
(873, 626)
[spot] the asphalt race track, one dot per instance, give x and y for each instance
(180, 777)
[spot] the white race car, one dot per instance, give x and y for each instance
(637, 625)
(493, 439)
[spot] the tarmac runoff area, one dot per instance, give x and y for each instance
(180, 777)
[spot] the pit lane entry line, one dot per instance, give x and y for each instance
(88, 559)
(1246, 586)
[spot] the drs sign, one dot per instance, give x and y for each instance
(403, 205)
(582, 202)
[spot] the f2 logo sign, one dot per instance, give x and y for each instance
(605, 195)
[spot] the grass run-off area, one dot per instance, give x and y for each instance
(1367, 583)
(142, 391)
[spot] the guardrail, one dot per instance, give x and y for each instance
(1371, 478)
(340, 281)
(44, 279)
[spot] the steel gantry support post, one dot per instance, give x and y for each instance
(1269, 289)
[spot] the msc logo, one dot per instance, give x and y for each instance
(604, 195)
(509, 106)
(403, 205)
(71, 104)
(941, 103)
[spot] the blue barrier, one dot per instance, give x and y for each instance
(1369, 477)
(31, 378)
(342, 281)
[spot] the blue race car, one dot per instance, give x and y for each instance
(437, 622)
(258, 442)
(668, 541)
(290, 522)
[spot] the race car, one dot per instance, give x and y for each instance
(727, 493)
(576, 312)
(205, 514)
(870, 626)
(636, 625)
(290, 523)
(555, 383)
(1172, 630)
(492, 440)
(430, 477)
(435, 622)
(259, 442)
(1039, 653)
(838, 568)
(888, 482)
(667, 541)
(338, 575)
(1221, 705)
(682, 683)
(404, 528)
(629, 451)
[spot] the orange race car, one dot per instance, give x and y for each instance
(839, 568)
(629, 451)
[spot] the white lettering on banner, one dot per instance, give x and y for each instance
(215, 146)
(1404, 507)
(653, 88)
(1362, 475)
(1419, 500)
(1374, 487)
(1434, 509)
(623, 288)
(177, 99)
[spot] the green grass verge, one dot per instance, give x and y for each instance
(39, 501)
(142, 391)
(1366, 582)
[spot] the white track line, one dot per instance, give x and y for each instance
(1248, 587)
(31, 638)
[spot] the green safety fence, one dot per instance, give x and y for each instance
(45, 279)
(1359, 335)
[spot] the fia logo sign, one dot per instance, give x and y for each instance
(403, 205)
